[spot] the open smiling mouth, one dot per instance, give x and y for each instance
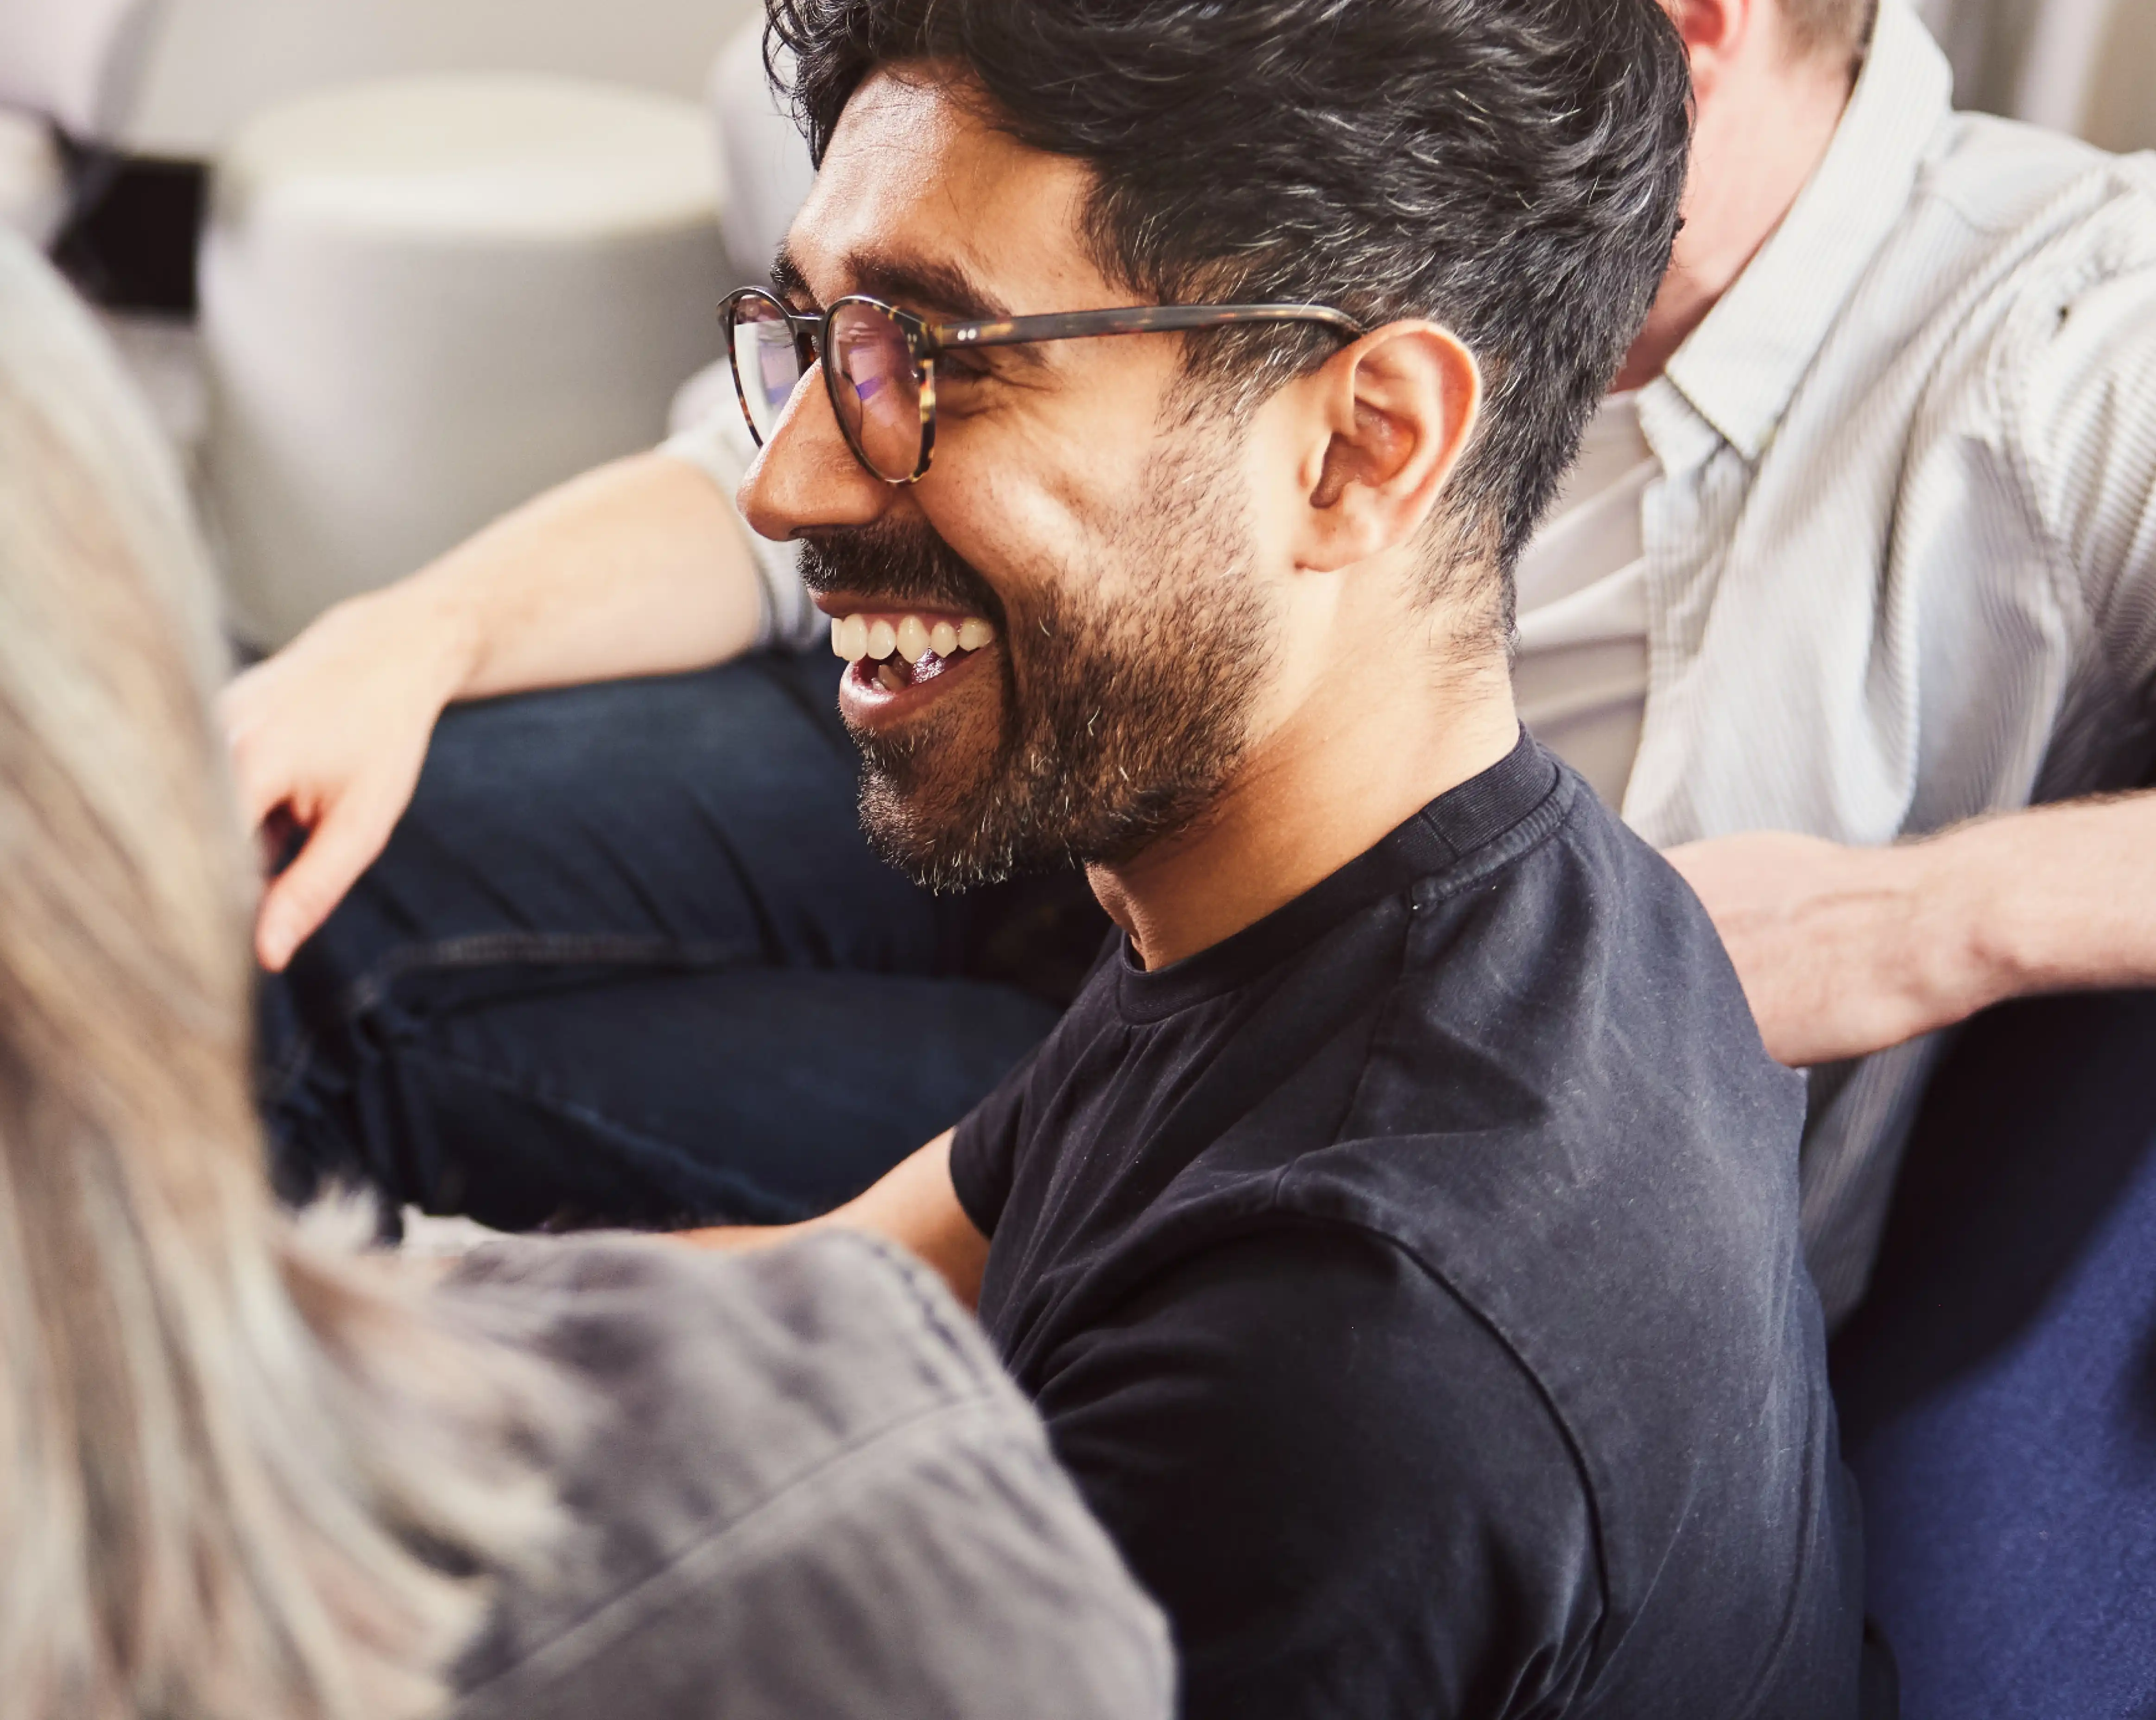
(894, 653)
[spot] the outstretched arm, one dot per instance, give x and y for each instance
(639, 568)
(913, 1205)
(1844, 952)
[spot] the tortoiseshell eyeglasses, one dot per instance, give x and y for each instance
(878, 362)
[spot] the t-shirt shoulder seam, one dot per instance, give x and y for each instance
(1535, 829)
(1556, 810)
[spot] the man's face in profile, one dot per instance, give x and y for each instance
(1085, 502)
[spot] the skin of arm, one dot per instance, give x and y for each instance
(637, 568)
(913, 1205)
(1844, 952)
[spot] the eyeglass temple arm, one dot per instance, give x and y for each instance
(1134, 319)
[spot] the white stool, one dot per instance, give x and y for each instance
(425, 301)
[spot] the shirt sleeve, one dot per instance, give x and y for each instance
(2084, 388)
(984, 1148)
(1347, 1494)
(720, 447)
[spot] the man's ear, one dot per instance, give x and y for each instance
(1394, 411)
(1714, 33)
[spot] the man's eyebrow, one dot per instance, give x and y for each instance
(787, 281)
(940, 291)
(943, 292)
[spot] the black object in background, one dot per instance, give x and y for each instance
(133, 223)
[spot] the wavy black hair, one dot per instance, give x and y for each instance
(1510, 168)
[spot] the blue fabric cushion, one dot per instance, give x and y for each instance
(1997, 1389)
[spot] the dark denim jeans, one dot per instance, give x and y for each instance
(628, 959)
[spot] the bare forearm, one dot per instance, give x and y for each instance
(638, 568)
(913, 1206)
(2052, 899)
(1845, 951)
(2057, 898)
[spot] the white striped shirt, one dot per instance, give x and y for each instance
(1901, 561)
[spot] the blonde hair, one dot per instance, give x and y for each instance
(243, 1471)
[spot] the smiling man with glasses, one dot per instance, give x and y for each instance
(1400, 1232)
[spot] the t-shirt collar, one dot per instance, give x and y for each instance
(1451, 831)
(1739, 367)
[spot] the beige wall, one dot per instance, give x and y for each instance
(2121, 110)
(2083, 66)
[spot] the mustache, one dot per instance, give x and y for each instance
(897, 563)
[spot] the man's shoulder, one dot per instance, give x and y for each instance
(1556, 1034)
(2004, 215)
(2004, 226)
(1578, 994)
(1560, 1112)
(2002, 176)
(1566, 1117)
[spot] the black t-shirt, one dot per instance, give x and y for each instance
(1411, 1283)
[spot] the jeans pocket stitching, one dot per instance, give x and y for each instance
(541, 949)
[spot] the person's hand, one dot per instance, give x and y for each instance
(1842, 952)
(332, 731)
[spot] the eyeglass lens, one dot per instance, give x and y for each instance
(766, 356)
(876, 390)
(873, 384)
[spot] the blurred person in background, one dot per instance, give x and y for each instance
(1859, 551)
(245, 1470)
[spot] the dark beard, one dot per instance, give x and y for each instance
(1118, 726)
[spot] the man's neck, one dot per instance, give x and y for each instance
(1356, 760)
(1759, 136)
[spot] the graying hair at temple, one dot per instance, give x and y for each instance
(200, 1514)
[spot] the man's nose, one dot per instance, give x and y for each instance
(807, 478)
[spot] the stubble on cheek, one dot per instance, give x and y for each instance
(1109, 721)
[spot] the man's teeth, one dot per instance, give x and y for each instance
(854, 638)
